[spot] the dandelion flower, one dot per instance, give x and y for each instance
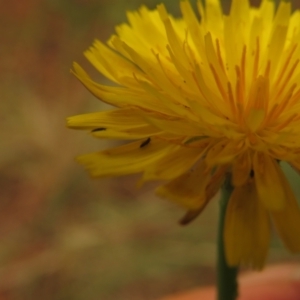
(200, 99)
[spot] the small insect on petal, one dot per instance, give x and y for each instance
(98, 129)
(145, 143)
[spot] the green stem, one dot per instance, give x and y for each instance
(227, 276)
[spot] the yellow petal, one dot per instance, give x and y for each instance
(214, 15)
(223, 152)
(120, 96)
(279, 32)
(160, 76)
(214, 62)
(216, 181)
(111, 118)
(287, 220)
(128, 159)
(269, 182)
(176, 126)
(100, 56)
(173, 39)
(241, 169)
(193, 27)
(247, 229)
(133, 133)
(118, 123)
(178, 161)
(187, 189)
(257, 103)
(211, 190)
(142, 23)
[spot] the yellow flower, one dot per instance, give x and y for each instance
(203, 99)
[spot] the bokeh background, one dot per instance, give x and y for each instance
(63, 235)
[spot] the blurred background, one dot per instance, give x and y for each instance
(63, 235)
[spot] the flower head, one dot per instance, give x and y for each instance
(202, 99)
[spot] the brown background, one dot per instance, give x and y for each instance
(64, 236)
